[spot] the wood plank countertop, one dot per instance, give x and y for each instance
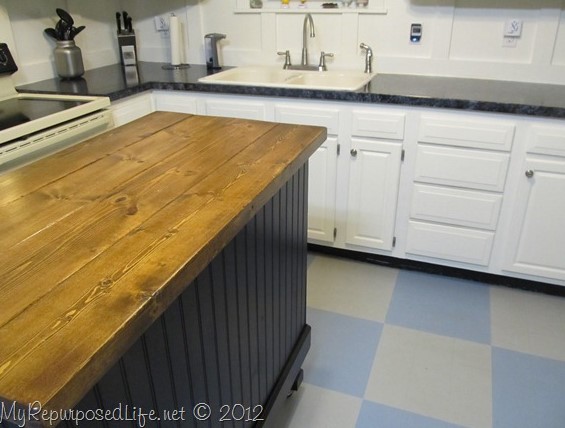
(97, 240)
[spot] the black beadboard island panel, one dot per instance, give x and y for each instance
(235, 339)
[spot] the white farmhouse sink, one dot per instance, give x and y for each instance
(297, 79)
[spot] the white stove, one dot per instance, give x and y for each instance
(35, 125)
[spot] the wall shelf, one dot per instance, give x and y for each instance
(316, 10)
(377, 7)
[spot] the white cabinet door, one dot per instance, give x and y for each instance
(536, 243)
(131, 108)
(321, 192)
(179, 102)
(373, 192)
(322, 166)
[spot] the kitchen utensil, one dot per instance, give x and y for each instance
(119, 22)
(51, 33)
(75, 31)
(65, 16)
(61, 28)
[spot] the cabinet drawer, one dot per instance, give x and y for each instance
(125, 111)
(326, 117)
(479, 134)
(236, 109)
(455, 206)
(367, 123)
(449, 243)
(180, 103)
(547, 140)
(461, 167)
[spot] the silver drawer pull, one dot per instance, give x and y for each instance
(529, 173)
(353, 152)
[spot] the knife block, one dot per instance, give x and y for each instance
(128, 48)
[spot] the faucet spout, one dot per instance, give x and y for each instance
(307, 19)
(368, 57)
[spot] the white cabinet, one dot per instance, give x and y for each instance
(373, 192)
(374, 161)
(460, 198)
(322, 168)
(458, 188)
(536, 242)
(178, 102)
(131, 108)
(322, 192)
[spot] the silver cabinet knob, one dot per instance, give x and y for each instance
(529, 173)
(353, 152)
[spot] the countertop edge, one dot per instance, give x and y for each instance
(528, 99)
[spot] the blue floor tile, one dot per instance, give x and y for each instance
(342, 352)
(441, 305)
(374, 415)
(528, 391)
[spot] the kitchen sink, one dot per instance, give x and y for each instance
(297, 79)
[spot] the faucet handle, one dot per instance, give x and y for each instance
(322, 66)
(287, 62)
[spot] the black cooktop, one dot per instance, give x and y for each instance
(16, 111)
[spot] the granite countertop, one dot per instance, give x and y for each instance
(425, 91)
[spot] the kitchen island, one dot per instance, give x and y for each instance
(154, 267)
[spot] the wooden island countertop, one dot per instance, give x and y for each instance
(98, 239)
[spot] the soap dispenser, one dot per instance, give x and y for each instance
(211, 49)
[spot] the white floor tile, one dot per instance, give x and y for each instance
(349, 287)
(528, 322)
(315, 407)
(436, 376)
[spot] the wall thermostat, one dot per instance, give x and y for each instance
(415, 33)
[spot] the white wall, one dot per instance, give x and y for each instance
(460, 37)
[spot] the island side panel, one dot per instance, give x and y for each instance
(236, 336)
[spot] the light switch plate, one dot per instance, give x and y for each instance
(513, 28)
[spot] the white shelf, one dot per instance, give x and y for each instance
(375, 7)
(316, 10)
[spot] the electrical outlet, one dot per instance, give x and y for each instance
(509, 42)
(162, 23)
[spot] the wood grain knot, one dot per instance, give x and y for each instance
(132, 209)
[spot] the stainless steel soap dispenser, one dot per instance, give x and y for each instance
(211, 49)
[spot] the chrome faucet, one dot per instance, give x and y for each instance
(307, 18)
(368, 58)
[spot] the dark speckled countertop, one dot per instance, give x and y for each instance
(410, 90)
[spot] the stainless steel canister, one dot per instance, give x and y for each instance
(68, 59)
